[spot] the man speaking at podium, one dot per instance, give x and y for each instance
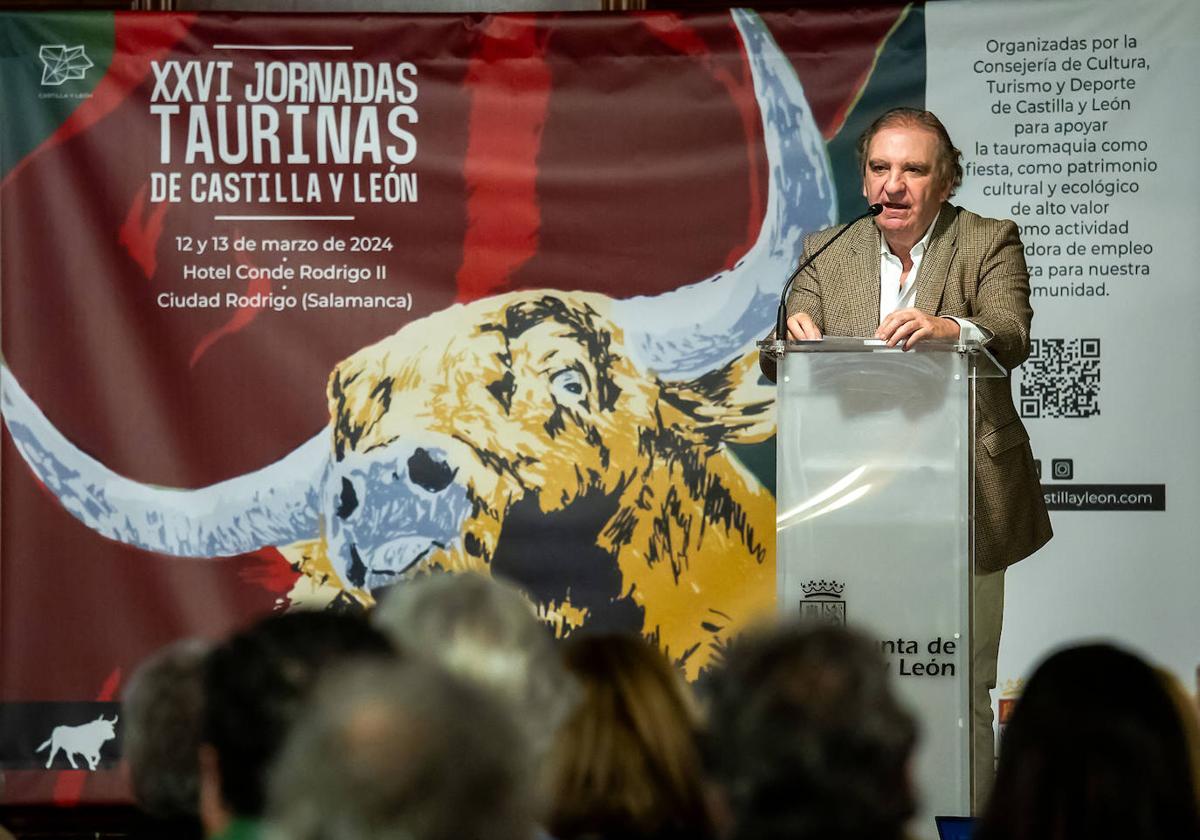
(929, 270)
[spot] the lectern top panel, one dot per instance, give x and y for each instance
(836, 344)
(983, 364)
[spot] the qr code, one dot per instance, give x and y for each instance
(1061, 378)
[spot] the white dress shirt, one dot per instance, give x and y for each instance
(893, 296)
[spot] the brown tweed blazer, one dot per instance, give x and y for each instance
(974, 268)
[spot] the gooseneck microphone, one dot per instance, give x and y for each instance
(781, 317)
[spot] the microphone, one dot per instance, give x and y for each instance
(781, 317)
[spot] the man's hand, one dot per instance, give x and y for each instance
(800, 327)
(913, 326)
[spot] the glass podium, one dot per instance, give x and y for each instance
(874, 527)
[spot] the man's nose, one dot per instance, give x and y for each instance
(894, 183)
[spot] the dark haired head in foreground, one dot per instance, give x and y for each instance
(1095, 748)
(808, 740)
(627, 765)
(163, 711)
(402, 751)
(256, 684)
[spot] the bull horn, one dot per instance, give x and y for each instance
(685, 332)
(272, 506)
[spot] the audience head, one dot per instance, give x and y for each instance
(808, 739)
(255, 686)
(1095, 748)
(401, 751)
(487, 632)
(627, 763)
(163, 711)
(1189, 716)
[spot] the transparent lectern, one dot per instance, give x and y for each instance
(874, 490)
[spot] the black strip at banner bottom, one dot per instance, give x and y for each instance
(59, 735)
(1105, 496)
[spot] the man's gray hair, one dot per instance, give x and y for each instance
(400, 752)
(487, 632)
(163, 714)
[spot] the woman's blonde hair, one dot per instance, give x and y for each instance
(1189, 716)
(627, 762)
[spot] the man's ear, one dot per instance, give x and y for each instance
(947, 188)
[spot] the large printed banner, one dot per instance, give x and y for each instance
(297, 307)
(1075, 122)
(294, 308)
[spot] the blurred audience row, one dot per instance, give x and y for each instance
(450, 713)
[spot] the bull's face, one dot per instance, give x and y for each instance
(532, 400)
(534, 405)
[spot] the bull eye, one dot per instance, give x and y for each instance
(570, 387)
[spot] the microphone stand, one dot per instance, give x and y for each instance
(781, 316)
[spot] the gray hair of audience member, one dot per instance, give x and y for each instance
(401, 752)
(162, 709)
(488, 632)
(808, 739)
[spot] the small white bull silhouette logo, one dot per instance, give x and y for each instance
(85, 740)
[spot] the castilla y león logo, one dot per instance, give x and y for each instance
(61, 63)
(823, 602)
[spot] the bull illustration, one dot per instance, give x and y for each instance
(573, 407)
(83, 740)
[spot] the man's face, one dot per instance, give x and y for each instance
(900, 175)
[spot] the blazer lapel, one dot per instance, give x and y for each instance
(935, 266)
(863, 282)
